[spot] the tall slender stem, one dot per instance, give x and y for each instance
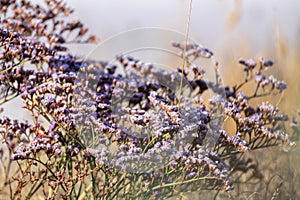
(184, 50)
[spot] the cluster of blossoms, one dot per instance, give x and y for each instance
(111, 134)
(48, 21)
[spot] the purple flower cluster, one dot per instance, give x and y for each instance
(127, 135)
(44, 21)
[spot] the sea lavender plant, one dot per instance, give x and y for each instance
(101, 134)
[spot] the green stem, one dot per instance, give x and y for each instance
(178, 183)
(47, 169)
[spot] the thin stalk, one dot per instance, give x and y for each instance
(117, 186)
(178, 183)
(53, 174)
(184, 50)
(35, 189)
